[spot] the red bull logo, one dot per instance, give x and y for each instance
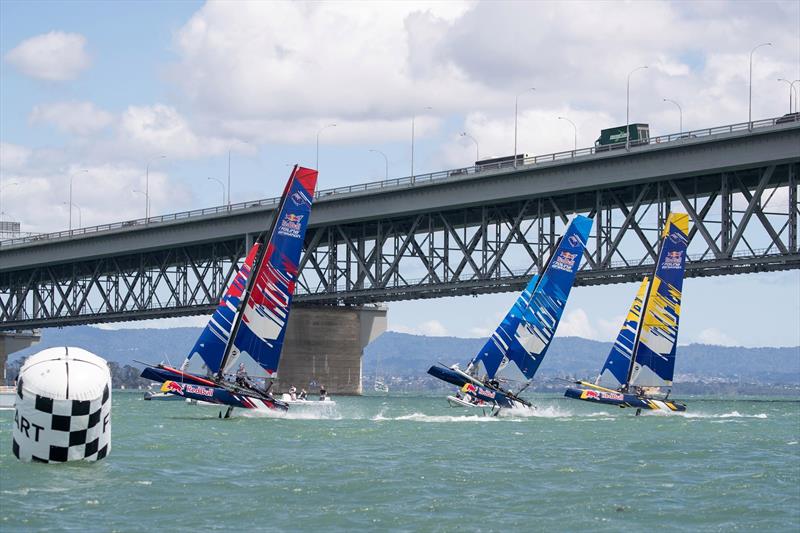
(294, 218)
(201, 391)
(565, 261)
(172, 386)
(672, 260)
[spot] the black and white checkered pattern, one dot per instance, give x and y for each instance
(54, 431)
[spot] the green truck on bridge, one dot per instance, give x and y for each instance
(613, 138)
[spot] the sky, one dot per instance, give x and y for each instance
(111, 95)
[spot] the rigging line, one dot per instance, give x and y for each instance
(635, 350)
(254, 270)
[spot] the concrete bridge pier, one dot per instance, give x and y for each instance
(324, 346)
(14, 341)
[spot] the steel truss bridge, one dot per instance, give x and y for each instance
(459, 232)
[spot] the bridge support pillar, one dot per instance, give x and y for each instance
(324, 346)
(14, 341)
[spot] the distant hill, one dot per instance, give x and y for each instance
(401, 354)
(404, 355)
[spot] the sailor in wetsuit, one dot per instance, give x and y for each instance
(242, 378)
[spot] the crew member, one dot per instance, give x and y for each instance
(241, 377)
(293, 392)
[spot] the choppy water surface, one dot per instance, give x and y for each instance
(412, 463)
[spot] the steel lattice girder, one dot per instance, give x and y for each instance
(742, 222)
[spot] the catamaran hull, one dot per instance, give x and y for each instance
(221, 396)
(194, 387)
(620, 399)
(485, 396)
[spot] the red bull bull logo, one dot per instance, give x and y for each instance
(565, 261)
(173, 387)
(672, 260)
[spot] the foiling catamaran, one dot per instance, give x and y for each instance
(248, 327)
(523, 336)
(642, 359)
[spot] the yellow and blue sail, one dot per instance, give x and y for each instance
(615, 370)
(654, 352)
(525, 333)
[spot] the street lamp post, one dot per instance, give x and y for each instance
(628, 108)
(71, 176)
(145, 198)
(477, 149)
(318, 132)
(3, 186)
(516, 113)
(147, 187)
(386, 159)
(791, 90)
(413, 119)
(750, 94)
(80, 215)
(680, 114)
(229, 171)
(222, 185)
(575, 131)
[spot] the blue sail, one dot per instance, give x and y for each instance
(206, 355)
(654, 352)
(259, 339)
(525, 333)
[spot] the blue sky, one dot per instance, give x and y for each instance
(106, 87)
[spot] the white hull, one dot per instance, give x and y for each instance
(327, 402)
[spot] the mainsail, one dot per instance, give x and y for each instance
(525, 333)
(615, 371)
(644, 352)
(654, 351)
(266, 282)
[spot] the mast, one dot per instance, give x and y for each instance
(635, 349)
(265, 237)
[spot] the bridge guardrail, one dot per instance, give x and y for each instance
(408, 181)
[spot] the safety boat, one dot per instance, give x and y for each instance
(248, 327)
(489, 382)
(642, 360)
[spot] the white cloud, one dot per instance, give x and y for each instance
(53, 56)
(104, 194)
(162, 129)
(80, 118)
(716, 337)
(13, 158)
(576, 324)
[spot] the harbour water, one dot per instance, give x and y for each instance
(414, 464)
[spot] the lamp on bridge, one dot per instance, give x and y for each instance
(3, 186)
(316, 166)
(575, 131)
(221, 185)
(147, 188)
(80, 216)
(680, 112)
(70, 197)
(791, 90)
(477, 149)
(750, 94)
(385, 159)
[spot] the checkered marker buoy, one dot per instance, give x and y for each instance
(62, 407)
